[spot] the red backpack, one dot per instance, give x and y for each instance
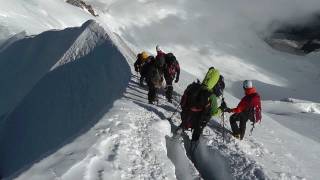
(171, 64)
(255, 115)
(255, 108)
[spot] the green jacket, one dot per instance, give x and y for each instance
(215, 110)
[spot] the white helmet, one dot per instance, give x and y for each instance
(247, 84)
(158, 48)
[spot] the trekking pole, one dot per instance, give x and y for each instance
(157, 98)
(175, 111)
(223, 135)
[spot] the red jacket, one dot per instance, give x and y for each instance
(248, 101)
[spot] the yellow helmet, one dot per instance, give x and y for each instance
(144, 55)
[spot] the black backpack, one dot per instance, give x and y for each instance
(195, 98)
(170, 58)
(219, 87)
(171, 64)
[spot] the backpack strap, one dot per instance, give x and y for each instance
(196, 109)
(199, 109)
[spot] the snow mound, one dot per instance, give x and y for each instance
(300, 116)
(55, 104)
(292, 106)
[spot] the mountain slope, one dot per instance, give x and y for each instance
(21, 71)
(58, 104)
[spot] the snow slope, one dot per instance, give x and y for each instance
(57, 102)
(32, 63)
(36, 16)
(133, 139)
(229, 36)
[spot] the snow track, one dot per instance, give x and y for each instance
(127, 154)
(216, 159)
(143, 159)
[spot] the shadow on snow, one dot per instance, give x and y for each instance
(63, 104)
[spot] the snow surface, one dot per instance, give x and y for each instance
(64, 101)
(61, 120)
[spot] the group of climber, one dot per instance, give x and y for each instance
(200, 102)
(200, 99)
(154, 70)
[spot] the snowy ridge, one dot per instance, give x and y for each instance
(92, 36)
(21, 71)
(63, 103)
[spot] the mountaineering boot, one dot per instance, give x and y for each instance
(154, 101)
(236, 135)
(169, 90)
(169, 98)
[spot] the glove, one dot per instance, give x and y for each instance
(223, 105)
(203, 123)
(177, 79)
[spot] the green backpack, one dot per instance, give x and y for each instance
(211, 79)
